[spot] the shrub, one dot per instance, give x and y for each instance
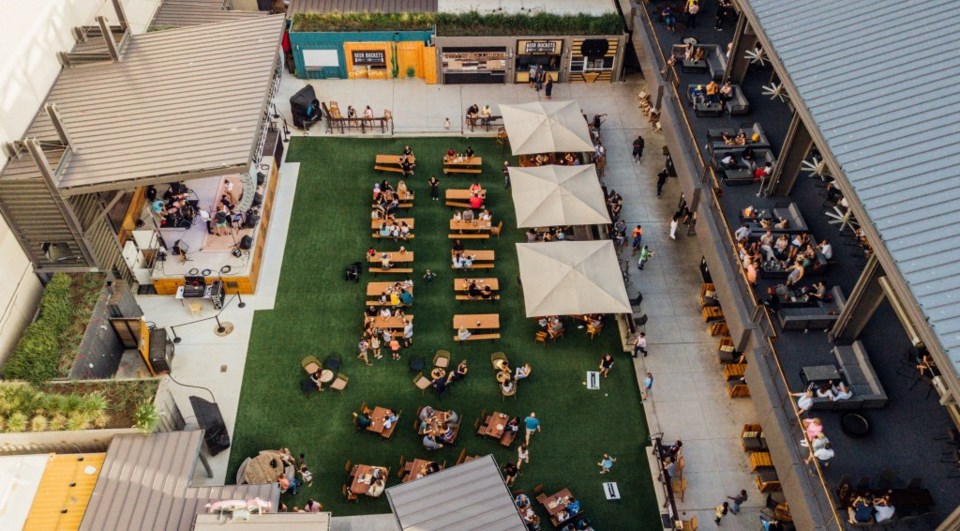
(58, 422)
(411, 72)
(462, 24)
(17, 423)
(145, 418)
(78, 421)
(38, 423)
(35, 358)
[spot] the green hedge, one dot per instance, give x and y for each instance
(463, 24)
(36, 356)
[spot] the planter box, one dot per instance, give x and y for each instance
(59, 441)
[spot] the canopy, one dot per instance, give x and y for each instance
(571, 278)
(558, 195)
(546, 127)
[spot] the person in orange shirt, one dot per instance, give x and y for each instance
(713, 92)
(637, 237)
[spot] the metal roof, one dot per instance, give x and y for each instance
(144, 484)
(267, 522)
(177, 105)
(879, 83)
(182, 13)
(361, 6)
(65, 490)
(467, 496)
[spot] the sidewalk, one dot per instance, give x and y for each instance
(689, 399)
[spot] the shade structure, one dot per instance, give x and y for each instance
(571, 278)
(558, 195)
(546, 127)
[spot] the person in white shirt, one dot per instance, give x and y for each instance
(743, 232)
(805, 400)
(368, 112)
(640, 345)
(841, 392)
(824, 455)
(826, 249)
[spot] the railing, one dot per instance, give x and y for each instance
(665, 482)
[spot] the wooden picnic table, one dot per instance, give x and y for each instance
(478, 255)
(395, 256)
(374, 289)
(375, 223)
(464, 226)
(494, 425)
(462, 194)
(412, 470)
(393, 160)
(392, 322)
(555, 505)
(379, 416)
(477, 321)
(462, 164)
(361, 477)
(258, 469)
(463, 284)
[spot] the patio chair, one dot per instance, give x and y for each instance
(541, 338)
(340, 382)
(495, 231)
(592, 331)
(332, 362)
(417, 363)
(495, 357)
(462, 456)
(348, 467)
(421, 382)
(441, 359)
(310, 364)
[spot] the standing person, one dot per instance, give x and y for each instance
(693, 9)
(523, 455)
(674, 223)
(738, 500)
(640, 345)
(532, 423)
(606, 363)
(637, 236)
(407, 333)
(548, 87)
(434, 187)
(661, 180)
(510, 472)
(539, 78)
(362, 348)
(720, 511)
(506, 174)
(645, 254)
(638, 148)
(647, 386)
(533, 75)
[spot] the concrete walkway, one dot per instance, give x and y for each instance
(689, 399)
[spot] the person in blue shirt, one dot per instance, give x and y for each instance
(406, 298)
(573, 506)
(532, 423)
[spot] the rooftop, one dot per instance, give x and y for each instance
(183, 13)
(174, 107)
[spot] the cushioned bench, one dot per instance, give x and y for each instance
(791, 213)
(741, 175)
(819, 317)
(716, 61)
(738, 104)
(715, 136)
(774, 270)
(859, 375)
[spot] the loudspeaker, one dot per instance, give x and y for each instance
(246, 243)
(253, 218)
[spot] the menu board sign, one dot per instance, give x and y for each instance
(369, 57)
(551, 47)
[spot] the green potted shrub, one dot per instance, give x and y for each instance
(411, 72)
(145, 418)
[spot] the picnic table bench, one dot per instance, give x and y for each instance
(374, 289)
(412, 469)
(556, 504)
(393, 322)
(395, 257)
(494, 425)
(480, 321)
(379, 416)
(484, 257)
(460, 197)
(461, 285)
(361, 477)
(468, 226)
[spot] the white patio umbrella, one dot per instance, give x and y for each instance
(558, 195)
(546, 127)
(571, 278)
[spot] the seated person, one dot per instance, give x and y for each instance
(376, 488)
(475, 188)
(747, 153)
(458, 374)
(485, 112)
(315, 378)
(385, 261)
(473, 290)
(351, 112)
(457, 246)
(473, 111)
(532, 236)
(841, 392)
(487, 293)
(728, 161)
(368, 112)
(825, 249)
(449, 435)
(430, 443)
(522, 501)
(750, 212)
(672, 451)
(486, 215)
(860, 511)
(385, 312)
(468, 216)
(406, 298)
(468, 261)
(540, 160)
(404, 230)
(384, 230)
(451, 153)
(927, 366)
(390, 420)
(426, 412)
(469, 153)
(523, 372)
(463, 333)
(476, 201)
(569, 159)
(407, 151)
(457, 216)
(699, 54)
(362, 420)
(726, 93)
(573, 505)
(713, 92)
(402, 190)
(818, 291)
(513, 425)
(406, 166)
(372, 311)
(458, 263)
(882, 509)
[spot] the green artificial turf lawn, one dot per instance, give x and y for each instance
(318, 313)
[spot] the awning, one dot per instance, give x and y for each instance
(546, 127)
(558, 195)
(571, 278)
